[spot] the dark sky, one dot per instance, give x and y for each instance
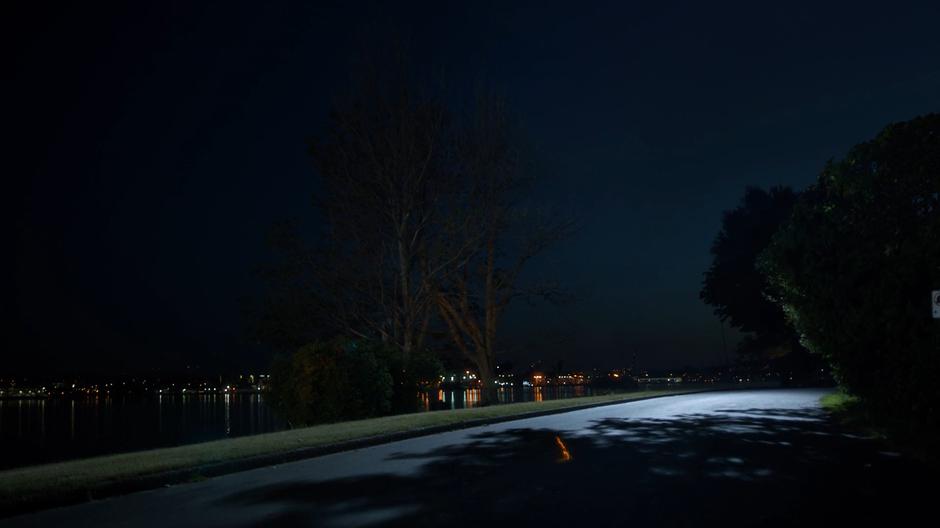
(150, 148)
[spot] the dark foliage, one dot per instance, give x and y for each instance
(409, 375)
(341, 379)
(855, 265)
(739, 291)
(332, 381)
(733, 285)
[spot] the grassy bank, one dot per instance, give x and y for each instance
(50, 484)
(852, 413)
(839, 403)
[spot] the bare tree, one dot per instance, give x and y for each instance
(379, 168)
(474, 293)
(388, 187)
(425, 222)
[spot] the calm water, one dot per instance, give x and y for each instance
(48, 430)
(36, 431)
(444, 399)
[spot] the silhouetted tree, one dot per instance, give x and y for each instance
(738, 291)
(854, 266)
(381, 173)
(423, 224)
(501, 234)
(365, 274)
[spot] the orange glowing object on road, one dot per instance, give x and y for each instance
(565, 454)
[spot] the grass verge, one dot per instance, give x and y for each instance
(35, 487)
(838, 402)
(852, 413)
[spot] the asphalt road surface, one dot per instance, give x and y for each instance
(736, 458)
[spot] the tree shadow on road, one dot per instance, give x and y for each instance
(732, 468)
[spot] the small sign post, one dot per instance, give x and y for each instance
(935, 301)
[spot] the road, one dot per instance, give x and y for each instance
(736, 458)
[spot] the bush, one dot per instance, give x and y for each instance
(854, 266)
(408, 374)
(348, 379)
(332, 381)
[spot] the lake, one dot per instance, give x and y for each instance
(36, 431)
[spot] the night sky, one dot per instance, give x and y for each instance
(149, 150)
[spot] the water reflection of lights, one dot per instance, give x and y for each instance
(472, 396)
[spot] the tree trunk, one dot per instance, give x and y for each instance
(404, 268)
(489, 391)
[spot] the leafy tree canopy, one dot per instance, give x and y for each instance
(854, 267)
(734, 286)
